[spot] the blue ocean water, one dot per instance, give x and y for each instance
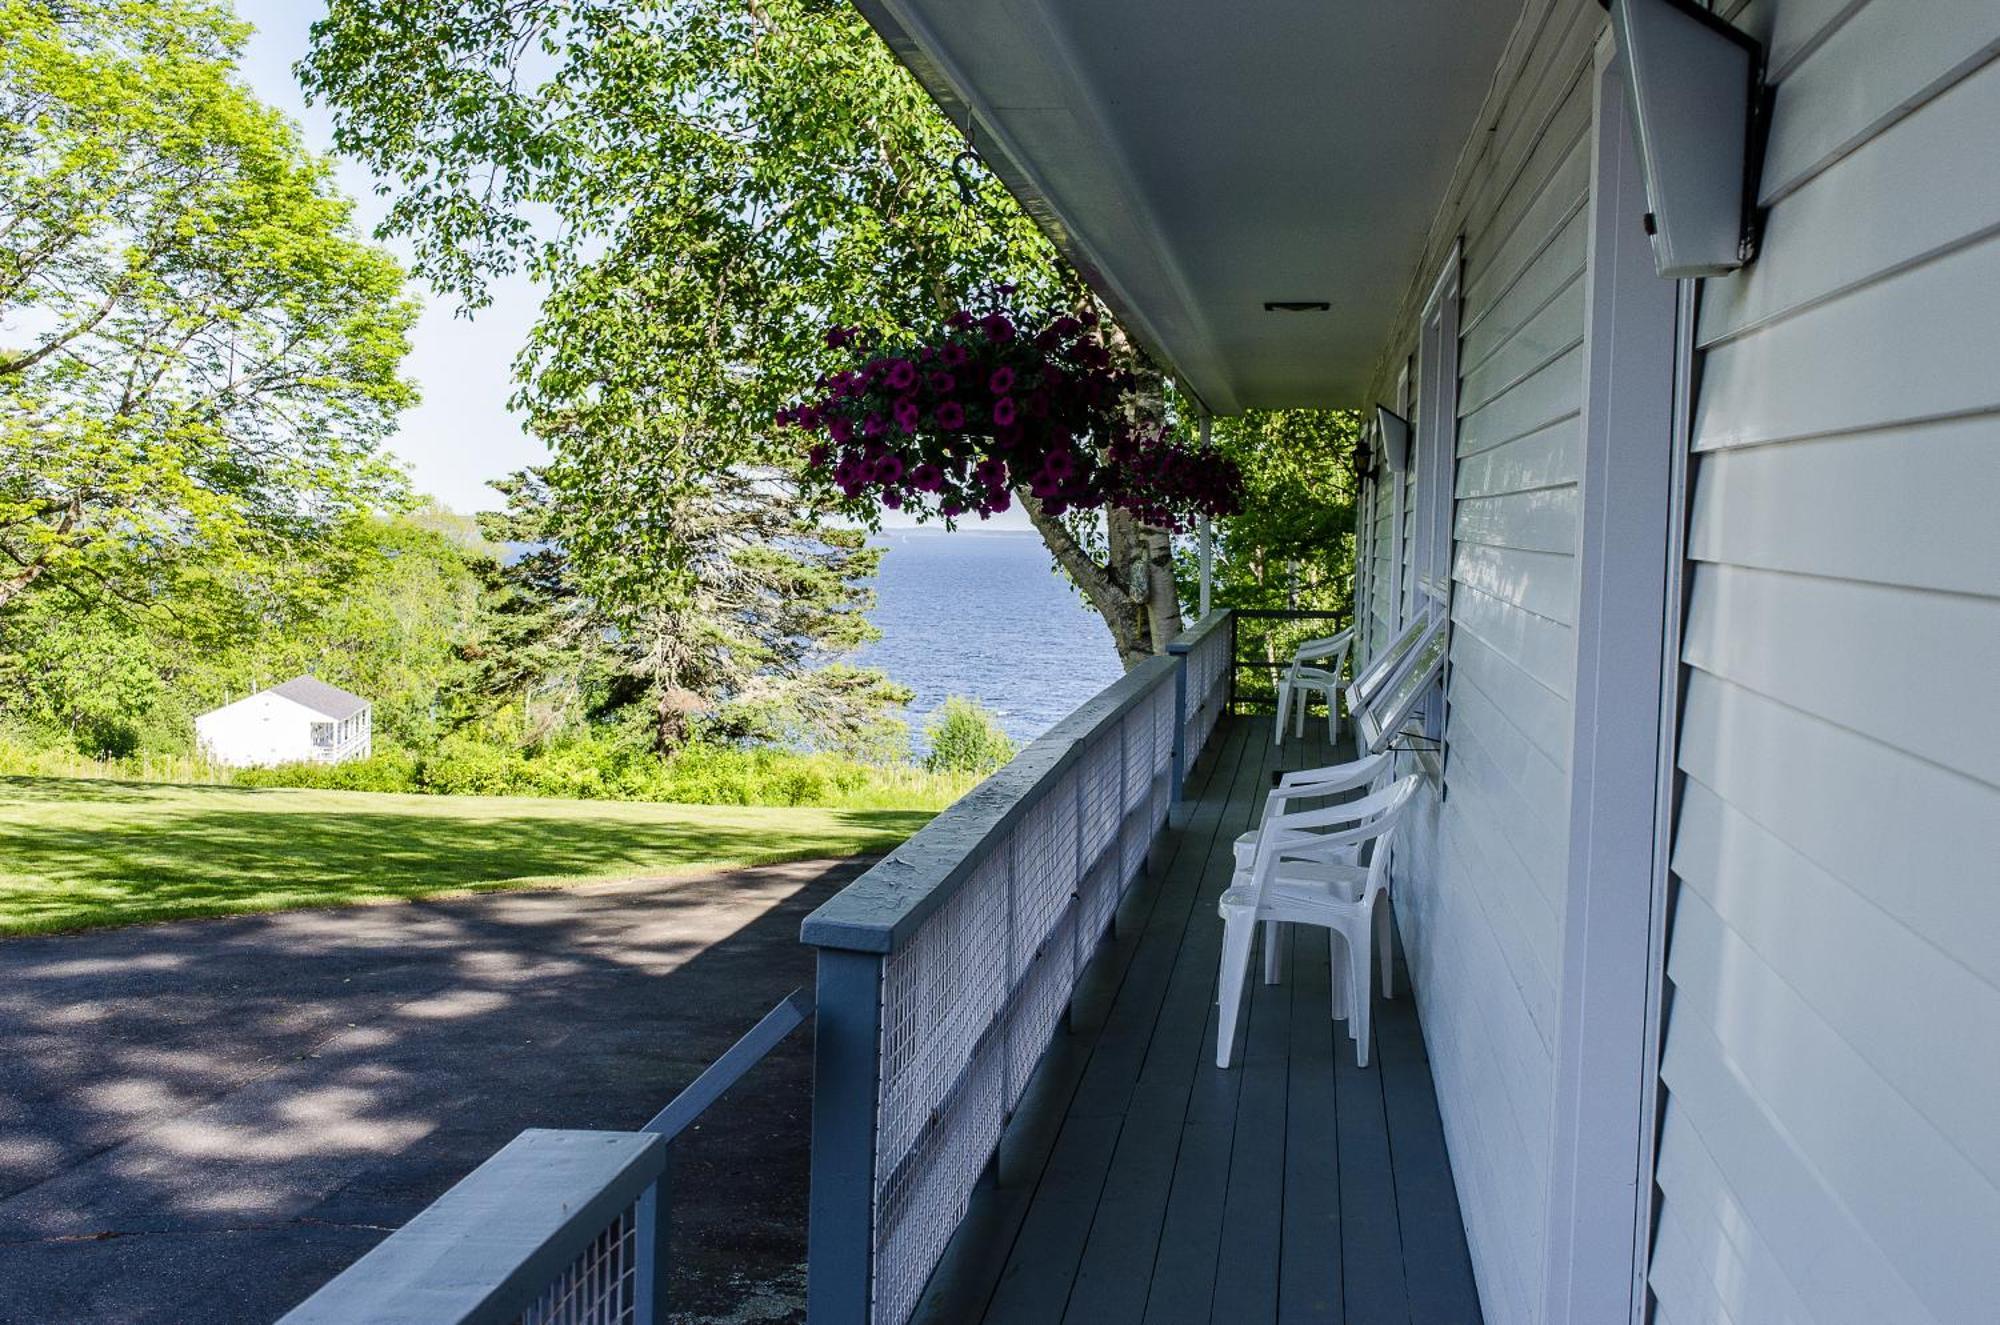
(985, 614)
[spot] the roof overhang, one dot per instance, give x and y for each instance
(1197, 161)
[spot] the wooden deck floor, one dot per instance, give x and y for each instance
(1138, 1183)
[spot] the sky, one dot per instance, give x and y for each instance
(462, 435)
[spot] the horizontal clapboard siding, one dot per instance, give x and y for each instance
(1830, 1149)
(1480, 881)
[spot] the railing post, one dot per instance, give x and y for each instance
(1229, 704)
(652, 1242)
(1178, 775)
(847, 1037)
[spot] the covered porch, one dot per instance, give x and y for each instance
(1138, 1182)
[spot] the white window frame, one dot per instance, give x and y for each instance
(1434, 462)
(1638, 338)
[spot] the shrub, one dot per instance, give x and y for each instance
(387, 770)
(464, 767)
(965, 738)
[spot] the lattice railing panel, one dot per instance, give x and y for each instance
(921, 1199)
(1039, 1002)
(600, 1287)
(940, 996)
(1045, 870)
(1102, 794)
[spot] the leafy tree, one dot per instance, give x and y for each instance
(965, 738)
(1292, 546)
(701, 187)
(726, 637)
(205, 357)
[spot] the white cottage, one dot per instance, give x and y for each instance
(303, 720)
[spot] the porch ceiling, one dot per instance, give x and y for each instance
(1197, 159)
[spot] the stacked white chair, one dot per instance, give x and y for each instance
(1296, 877)
(1302, 680)
(1372, 772)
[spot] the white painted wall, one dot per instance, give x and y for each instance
(1830, 1146)
(1480, 889)
(263, 729)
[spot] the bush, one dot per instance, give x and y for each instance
(461, 766)
(965, 738)
(387, 770)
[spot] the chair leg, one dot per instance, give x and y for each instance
(1284, 712)
(1384, 950)
(1237, 931)
(1303, 697)
(1337, 982)
(1361, 1022)
(1274, 952)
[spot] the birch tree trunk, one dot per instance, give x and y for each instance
(1133, 587)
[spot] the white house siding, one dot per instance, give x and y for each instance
(261, 729)
(1830, 1143)
(1480, 882)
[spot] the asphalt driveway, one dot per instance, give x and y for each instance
(203, 1121)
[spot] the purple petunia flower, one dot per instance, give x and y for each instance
(991, 472)
(950, 508)
(927, 478)
(816, 456)
(1002, 380)
(997, 328)
(1059, 464)
(892, 499)
(954, 355)
(889, 468)
(907, 414)
(1003, 411)
(943, 383)
(902, 375)
(874, 425)
(950, 416)
(840, 428)
(1000, 501)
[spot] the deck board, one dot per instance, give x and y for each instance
(1137, 1182)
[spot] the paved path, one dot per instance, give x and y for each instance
(203, 1121)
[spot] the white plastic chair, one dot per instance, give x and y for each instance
(1292, 881)
(1302, 681)
(1373, 772)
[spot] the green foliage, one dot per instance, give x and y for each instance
(1293, 545)
(379, 606)
(208, 357)
(760, 599)
(965, 738)
(592, 766)
(388, 771)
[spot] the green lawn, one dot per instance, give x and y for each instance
(76, 854)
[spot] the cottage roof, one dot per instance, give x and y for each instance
(327, 700)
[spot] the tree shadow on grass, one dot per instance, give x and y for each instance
(179, 1103)
(63, 871)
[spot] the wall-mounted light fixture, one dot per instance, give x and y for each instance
(1692, 83)
(1394, 431)
(1296, 305)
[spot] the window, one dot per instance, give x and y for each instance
(1436, 408)
(1383, 711)
(1436, 411)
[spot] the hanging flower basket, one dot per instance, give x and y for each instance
(950, 426)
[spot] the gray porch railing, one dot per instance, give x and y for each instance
(557, 1228)
(945, 970)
